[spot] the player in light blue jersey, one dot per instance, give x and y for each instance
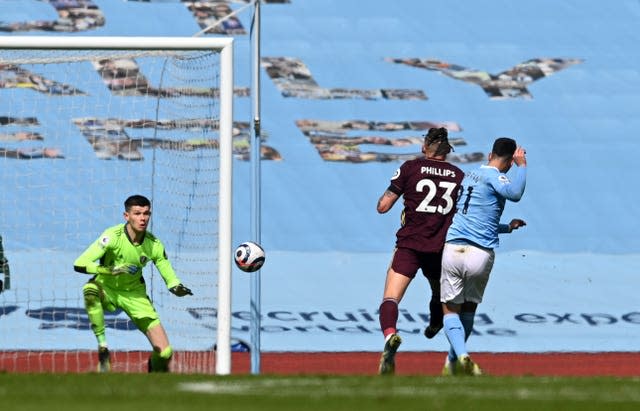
(468, 253)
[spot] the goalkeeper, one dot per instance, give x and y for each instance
(115, 261)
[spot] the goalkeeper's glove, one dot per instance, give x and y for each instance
(180, 290)
(117, 270)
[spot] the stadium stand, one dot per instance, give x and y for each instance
(347, 91)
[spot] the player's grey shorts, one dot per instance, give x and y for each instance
(465, 273)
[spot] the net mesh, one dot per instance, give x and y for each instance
(81, 130)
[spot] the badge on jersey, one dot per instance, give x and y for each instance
(396, 174)
(503, 179)
(104, 241)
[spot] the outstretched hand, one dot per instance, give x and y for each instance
(180, 290)
(516, 223)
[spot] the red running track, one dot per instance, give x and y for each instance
(620, 364)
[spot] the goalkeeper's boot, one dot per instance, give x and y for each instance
(432, 330)
(159, 366)
(449, 368)
(387, 359)
(467, 366)
(104, 361)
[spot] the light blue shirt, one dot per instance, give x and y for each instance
(480, 205)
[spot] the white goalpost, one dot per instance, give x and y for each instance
(84, 123)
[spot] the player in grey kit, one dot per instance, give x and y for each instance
(429, 186)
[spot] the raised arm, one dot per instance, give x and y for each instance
(513, 190)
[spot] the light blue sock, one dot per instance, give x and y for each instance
(466, 318)
(454, 330)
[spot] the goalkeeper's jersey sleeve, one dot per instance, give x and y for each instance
(114, 248)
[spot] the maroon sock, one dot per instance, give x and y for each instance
(388, 316)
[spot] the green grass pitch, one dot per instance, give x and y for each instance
(174, 392)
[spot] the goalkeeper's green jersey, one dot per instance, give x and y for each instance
(114, 248)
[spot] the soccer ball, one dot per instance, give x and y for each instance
(249, 256)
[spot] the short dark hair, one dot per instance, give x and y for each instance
(504, 147)
(440, 136)
(136, 200)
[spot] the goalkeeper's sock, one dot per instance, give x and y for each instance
(159, 361)
(102, 340)
(94, 311)
(454, 330)
(388, 317)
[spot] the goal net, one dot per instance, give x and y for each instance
(84, 123)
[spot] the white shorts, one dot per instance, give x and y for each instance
(465, 273)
